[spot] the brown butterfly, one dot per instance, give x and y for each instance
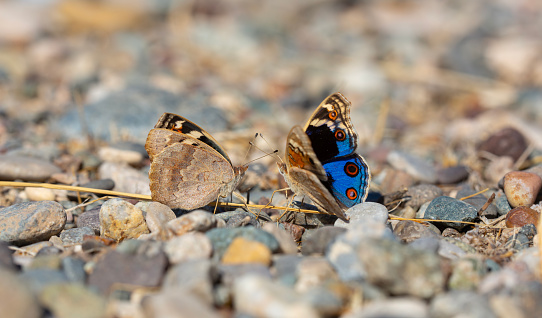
(189, 169)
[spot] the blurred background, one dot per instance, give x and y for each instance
(433, 78)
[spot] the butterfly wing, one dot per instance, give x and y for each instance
(348, 179)
(189, 175)
(184, 126)
(330, 129)
(304, 182)
(300, 154)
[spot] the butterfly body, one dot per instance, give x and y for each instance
(189, 169)
(321, 162)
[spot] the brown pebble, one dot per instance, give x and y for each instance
(505, 142)
(521, 188)
(521, 216)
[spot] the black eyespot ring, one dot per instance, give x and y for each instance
(351, 169)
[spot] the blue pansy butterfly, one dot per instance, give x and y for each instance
(321, 161)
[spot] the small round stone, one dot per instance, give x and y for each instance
(242, 251)
(447, 208)
(522, 216)
(506, 142)
(120, 220)
(39, 194)
(521, 188)
(359, 212)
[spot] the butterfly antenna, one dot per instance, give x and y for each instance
(251, 143)
(266, 154)
(274, 152)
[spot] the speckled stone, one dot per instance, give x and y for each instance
(30, 222)
(447, 208)
(521, 188)
(120, 220)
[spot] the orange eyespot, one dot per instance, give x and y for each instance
(351, 169)
(332, 115)
(340, 135)
(351, 193)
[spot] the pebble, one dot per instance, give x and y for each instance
(39, 194)
(518, 242)
(501, 202)
(6, 258)
(117, 155)
(74, 270)
(221, 238)
(157, 215)
(521, 188)
(409, 231)
(126, 178)
(72, 300)
(242, 251)
(257, 296)
(452, 175)
(26, 168)
(75, 236)
(177, 303)
(328, 300)
(428, 243)
(285, 268)
(506, 142)
(529, 230)
(401, 270)
(477, 201)
(286, 241)
(344, 259)
(522, 216)
(49, 261)
(194, 276)
(121, 220)
(190, 246)
(31, 222)
(359, 213)
(398, 307)
(141, 269)
(318, 240)
(422, 193)
(457, 303)
(467, 273)
(90, 219)
(38, 279)
(16, 299)
(314, 271)
(414, 166)
(198, 220)
(447, 208)
(396, 180)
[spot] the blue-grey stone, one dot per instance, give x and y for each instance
(447, 208)
(285, 267)
(428, 243)
(130, 111)
(319, 239)
(75, 236)
(477, 201)
(222, 237)
(74, 269)
(503, 207)
(38, 279)
(414, 166)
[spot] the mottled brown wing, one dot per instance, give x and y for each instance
(189, 175)
(299, 153)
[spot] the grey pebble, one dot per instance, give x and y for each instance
(422, 193)
(360, 213)
(452, 175)
(30, 222)
(460, 304)
(447, 208)
(194, 276)
(316, 241)
(409, 231)
(75, 236)
(477, 201)
(414, 166)
(74, 269)
(400, 307)
(90, 219)
(501, 202)
(26, 168)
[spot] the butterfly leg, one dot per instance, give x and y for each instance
(287, 208)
